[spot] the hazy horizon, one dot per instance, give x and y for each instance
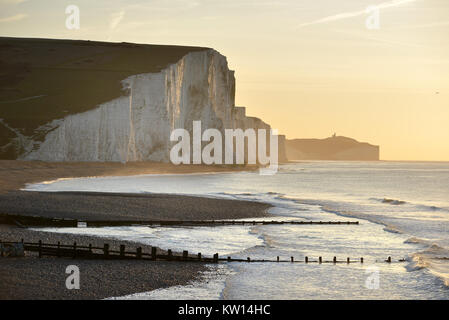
(308, 68)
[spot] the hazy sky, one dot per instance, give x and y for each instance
(308, 67)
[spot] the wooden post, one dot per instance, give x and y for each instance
(216, 258)
(153, 253)
(170, 254)
(307, 259)
(40, 248)
(106, 250)
(389, 260)
(278, 259)
(122, 251)
(74, 250)
(335, 259)
(199, 256)
(361, 260)
(320, 260)
(139, 253)
(348, 260)
(185, 255)
(292, 259)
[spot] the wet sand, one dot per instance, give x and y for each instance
(103, 206)
(15, 174)
(112, 206)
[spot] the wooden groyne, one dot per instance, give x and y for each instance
(208, 223)
(37, 221)
(106, 252)
(76, 251)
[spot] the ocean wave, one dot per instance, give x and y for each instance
(389, 201)
(419, 206)
(267, 241)
(436, 260)
(392, 229)
(415, 240)
(291, 170)
(432, 208)
(248, 194)
(393, 201)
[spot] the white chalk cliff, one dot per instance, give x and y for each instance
(137, 126)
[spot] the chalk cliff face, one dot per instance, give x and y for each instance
(43, 81)
(137, 125)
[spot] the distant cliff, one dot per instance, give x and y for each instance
(333, 148)
(63, 100)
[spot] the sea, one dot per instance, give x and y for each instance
(402, 209)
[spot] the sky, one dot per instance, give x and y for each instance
(307, 67)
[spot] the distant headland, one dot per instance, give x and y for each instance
(332, 148)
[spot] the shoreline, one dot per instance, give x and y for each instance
(16, 174)
(44, 278)
(88, 206)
